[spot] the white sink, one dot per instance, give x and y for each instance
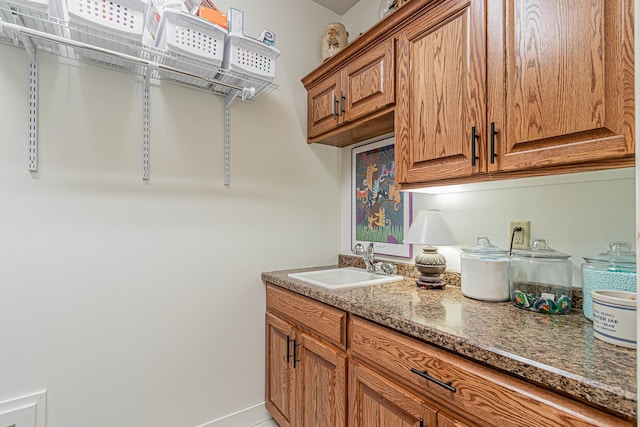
(338, 278)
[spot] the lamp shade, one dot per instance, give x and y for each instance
(429, 227)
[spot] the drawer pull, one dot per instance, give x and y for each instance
(335, 102)
(428, 377)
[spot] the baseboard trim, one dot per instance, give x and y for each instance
(248, 417)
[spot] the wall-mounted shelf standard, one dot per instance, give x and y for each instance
(34, 31)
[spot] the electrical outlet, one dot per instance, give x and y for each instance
(520, 238)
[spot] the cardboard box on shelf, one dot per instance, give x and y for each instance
(214, 16)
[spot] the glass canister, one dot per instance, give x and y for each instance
(484, 271)
(614, 270)
(540, 279)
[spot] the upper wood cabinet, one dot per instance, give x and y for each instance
(440, 113)
(557, 94)
(362, 88)
(561, 82)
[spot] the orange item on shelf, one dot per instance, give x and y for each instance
(214, 16)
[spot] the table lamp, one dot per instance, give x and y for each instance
(430, 228)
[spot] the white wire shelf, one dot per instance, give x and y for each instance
(69, 40)
(35, 31)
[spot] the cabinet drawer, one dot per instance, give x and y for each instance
(484, 393)
(328, 322)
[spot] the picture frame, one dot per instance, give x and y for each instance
(379, 213)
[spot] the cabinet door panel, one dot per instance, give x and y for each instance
(566, 95)
(321, 375)
(321, 106)
(377, 402)
(441, 94)
(369, 82)
(279, 374)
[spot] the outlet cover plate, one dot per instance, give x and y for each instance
(521, 240)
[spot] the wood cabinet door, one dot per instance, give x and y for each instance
(322, 106)
(279, 381)
(321, 371)
(375, 401)
(560, 88)
(441, 94)
(445, 420)
(368, 83)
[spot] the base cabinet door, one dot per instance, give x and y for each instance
(305, 378)
(445, 420)
(321, 383)
(280, 390)
(375, 401)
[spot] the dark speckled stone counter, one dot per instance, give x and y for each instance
(559, 352)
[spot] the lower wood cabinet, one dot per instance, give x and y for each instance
(376, 401)
(382, 378)
(305, 381)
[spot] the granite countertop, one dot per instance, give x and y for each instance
(556, 351)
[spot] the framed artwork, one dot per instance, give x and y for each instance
(379, 212)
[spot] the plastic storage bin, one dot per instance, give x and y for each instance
(540, 279)
(614, 270)
(191, 44)
(116, 25)
(251, 59)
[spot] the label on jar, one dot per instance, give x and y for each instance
(545, 295)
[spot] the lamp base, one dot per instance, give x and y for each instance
(431, 264)
(426, 281)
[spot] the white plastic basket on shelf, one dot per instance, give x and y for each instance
(192, 45)
(249, 57)
(116, 25)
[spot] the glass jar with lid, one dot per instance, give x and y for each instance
(613, 270)
(540, 279)
(484, 271)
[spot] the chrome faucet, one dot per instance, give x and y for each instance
(367, 254)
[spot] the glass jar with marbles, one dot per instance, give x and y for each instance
(540, 279)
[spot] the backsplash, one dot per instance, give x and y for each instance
(450, 278)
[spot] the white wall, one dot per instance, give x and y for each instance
(141, 304)
(361, 17)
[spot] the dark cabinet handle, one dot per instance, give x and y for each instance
(421, 422)
(289, 340)
(474, 137)
(428, 377)
(342, 98)
(295, 355)
(492, 137)
(335, 102)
